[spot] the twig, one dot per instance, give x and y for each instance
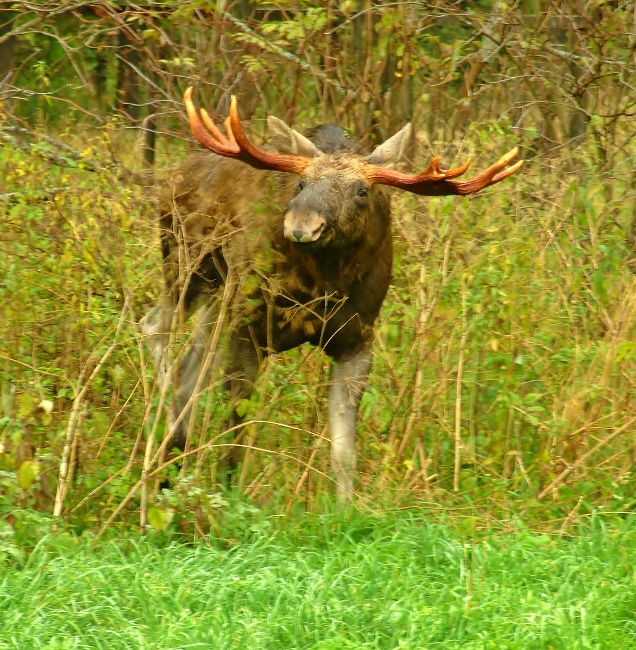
(458, 393)
(210, 445)
(38, 195)
(570, 517)
(274, 49)
(308, 468)
(559, 479)
(71, 429)
(45, 12)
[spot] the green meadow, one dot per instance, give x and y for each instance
(330, 582)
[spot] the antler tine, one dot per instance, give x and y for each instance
(490, 176)
(236, 144)
(384, 176)
(215, 131)
(257, 157)
(435, 181)
(211, 138)
(506, 172)
(458, 171)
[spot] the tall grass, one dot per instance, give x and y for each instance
(529, 284)
(329, 583)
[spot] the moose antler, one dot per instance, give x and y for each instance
(435, 181)
(236, 144)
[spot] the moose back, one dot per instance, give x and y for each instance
(285, 247)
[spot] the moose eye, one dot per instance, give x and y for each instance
(302, 184)
(362, 193)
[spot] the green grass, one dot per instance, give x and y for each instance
(329, 583)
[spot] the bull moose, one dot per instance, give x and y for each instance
(295, 245)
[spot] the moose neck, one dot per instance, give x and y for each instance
(339, 269)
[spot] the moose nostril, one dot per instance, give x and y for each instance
(316, 232)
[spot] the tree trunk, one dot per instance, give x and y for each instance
(7, 48)
(128, 84)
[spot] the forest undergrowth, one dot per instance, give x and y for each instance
(502, 380)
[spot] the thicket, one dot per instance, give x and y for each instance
(503, 379)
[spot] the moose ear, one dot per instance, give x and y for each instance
(391, 150)
(286, 140)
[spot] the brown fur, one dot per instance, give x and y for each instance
(228, 215)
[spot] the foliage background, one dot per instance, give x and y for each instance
(504, 365)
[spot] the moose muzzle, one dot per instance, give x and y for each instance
(303, 228)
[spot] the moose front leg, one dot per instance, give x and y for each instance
(347, 382)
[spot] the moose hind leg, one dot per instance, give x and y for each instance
(155, 328)
(240, 382)
(191, 367)
(347, 383)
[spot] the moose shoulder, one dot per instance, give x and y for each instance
(292, 246)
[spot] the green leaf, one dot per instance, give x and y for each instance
(160, 518)
(624, 349)
(27, 473)
(26, 404)
(599, 283)
(156, 518)
(117, 375)
(243, 407)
